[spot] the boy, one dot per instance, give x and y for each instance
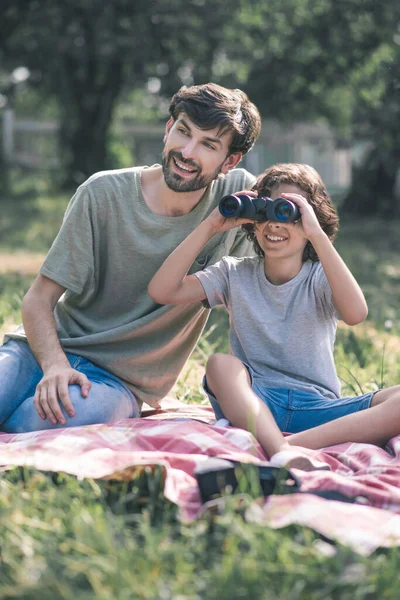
(284, 305)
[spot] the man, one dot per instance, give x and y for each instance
(94, 346)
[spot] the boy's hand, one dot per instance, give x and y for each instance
(218, 223)
(309, 221)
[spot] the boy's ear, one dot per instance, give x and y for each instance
(168, 126)
(231, 161)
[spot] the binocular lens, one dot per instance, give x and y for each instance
(284, 212)
(229, 206)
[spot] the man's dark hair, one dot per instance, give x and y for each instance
(211, 105)
(310, 182)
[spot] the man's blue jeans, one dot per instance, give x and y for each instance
(108, 400)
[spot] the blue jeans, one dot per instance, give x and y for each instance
(296, 410)
(108, 400)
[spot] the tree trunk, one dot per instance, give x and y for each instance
(4, 179)
(87, 110)
(84, 147)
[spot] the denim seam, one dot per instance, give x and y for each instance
(364, 403)
(74, 360)
(112, 381)
(289, 412)
(367, 401)
(264, 399)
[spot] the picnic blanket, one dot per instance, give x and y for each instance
(178, 437)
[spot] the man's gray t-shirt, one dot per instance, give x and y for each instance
(285, 333)
(109, 247)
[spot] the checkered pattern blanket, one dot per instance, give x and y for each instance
(179, 437)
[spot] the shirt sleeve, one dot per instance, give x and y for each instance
(70, 260)
(215, 281)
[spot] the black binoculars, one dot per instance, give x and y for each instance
(260, 209)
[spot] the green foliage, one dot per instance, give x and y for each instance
(12, 289)
(31, 214)
(140, 106)
(377, 115)
(371, 249)
(297, 53)
(336, 60)
(119, 153)
(29, 101)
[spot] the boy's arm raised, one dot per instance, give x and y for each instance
(347, 295)
(171, 284)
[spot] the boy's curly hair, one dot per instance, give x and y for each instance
(310, 182)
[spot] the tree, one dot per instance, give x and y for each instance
(373, 191)
(291, 54)
(337, 59)
(297, 59)
(84, 53)
(9, 24)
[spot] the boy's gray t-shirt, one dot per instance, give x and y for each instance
(109, 247)
(285, 333)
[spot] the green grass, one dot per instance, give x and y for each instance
(12, 289)
(371, 249)
(30, 218)
(61, 538)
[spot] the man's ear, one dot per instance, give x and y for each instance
(168, 126)
(231, 161)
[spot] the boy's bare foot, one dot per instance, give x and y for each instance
(297, 458)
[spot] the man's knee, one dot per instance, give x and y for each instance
(103, 403)
(75, 394)
(19, 376)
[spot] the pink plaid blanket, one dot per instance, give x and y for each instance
(180, 436)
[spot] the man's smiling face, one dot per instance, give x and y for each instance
(193, 157)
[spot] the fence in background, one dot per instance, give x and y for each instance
(33, 143)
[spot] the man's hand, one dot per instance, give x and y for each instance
(53, 388)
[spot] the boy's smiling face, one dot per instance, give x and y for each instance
(282, 240)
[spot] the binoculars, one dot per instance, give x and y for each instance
(260, 209)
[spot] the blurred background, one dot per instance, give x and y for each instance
(85, 86)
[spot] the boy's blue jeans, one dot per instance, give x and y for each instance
(108, 400)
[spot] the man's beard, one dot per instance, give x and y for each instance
(177, 183)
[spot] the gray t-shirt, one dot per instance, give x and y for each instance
(285, 333)
(105, 254)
